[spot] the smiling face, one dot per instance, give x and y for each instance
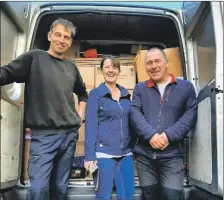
(156, 66)
(110, 71)
(60, 39)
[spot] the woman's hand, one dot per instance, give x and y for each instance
(90, 166)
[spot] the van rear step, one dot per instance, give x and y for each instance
(74, 193)
(77, 190)
(84, 190)
(87, 193)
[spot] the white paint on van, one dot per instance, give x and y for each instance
(218, 31)
(201, 166)
(11, 123)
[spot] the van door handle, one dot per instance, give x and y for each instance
(217, 91)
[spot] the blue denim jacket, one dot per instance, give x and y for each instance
(107, 123)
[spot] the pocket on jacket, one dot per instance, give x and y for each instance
(103, 134)
(113, 139)
(103, 138)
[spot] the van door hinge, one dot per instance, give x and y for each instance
(217, 91)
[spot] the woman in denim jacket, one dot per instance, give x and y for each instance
(108, 136)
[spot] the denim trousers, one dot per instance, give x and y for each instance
(118, 172)
(161, 178)
(50, 164)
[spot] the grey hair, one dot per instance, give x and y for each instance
(156, 48)
(67, 24)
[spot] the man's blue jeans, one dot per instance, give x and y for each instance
(50, 162)
(119, 171)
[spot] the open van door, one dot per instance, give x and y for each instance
(204, 39)
(14, 26)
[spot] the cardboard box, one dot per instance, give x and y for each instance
(79, 148)
(127, 77)
(88, 75)
(82, 133)
(139, 63)
(174, 63)
(73, 51)
(97, 61)
(80, 143)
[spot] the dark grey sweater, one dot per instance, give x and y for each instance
(50, 84)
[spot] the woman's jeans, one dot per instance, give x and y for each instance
(118, 172)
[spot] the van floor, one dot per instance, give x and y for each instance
(87, 193)
(76, 191)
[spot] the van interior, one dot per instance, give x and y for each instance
(122, 34)
(111, 34)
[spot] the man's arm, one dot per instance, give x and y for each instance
(82, 110)
(17, 70)
(139, 123)
(181, 128)
(80, 91)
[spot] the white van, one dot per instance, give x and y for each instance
(197, 30)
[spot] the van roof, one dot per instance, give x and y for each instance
(115, 4)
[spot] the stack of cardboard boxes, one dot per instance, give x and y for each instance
(92, 77)
(174, 63)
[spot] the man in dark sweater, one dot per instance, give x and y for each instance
(164, 110)
(50, 113)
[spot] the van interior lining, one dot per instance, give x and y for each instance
(116, 31)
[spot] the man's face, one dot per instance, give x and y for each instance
(60, 39)
(156, 65)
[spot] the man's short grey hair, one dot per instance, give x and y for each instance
(67, 24)
(157, 48)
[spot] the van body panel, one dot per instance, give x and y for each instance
(206, 140)
(202, 143)
(218, 28)
(35, 13)
(104, 4)
(189, 14)
(18, 12)
(105, 9)
(9, 43)
(202, 138)
(14, 25)
(11, 126)
(222, 5)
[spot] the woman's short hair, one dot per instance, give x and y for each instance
(115, 62)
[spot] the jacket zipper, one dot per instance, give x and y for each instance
(121, 123)
(159, 116)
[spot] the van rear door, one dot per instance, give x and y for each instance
(14, 26)
(204, 40)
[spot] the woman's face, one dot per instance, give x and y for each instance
(110, 72)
